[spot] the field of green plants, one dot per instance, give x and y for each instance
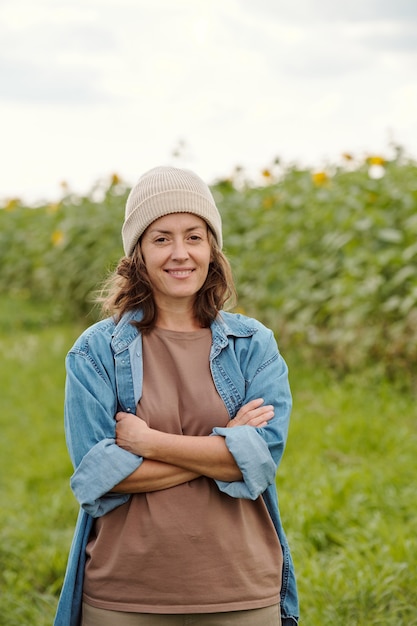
(328, 259)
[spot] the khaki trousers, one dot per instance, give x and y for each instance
(269, 616)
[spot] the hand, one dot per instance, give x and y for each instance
(131, 433)
(254, 413)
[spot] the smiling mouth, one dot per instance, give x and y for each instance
(179, 273)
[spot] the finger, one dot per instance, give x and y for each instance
(264, 412)
(121, 415)
(250, 406)
(264, 418)
(258, 423)
(253, 404)
(266, 408)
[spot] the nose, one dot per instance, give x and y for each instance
(179, 250)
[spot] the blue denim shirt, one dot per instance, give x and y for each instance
(104, 376)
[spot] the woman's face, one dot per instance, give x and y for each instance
(177, 254)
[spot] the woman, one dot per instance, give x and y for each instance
(176, 417)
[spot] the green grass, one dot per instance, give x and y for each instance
(37, 508)
(346, 485)
(349, 501)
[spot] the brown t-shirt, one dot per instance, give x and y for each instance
(190, 548)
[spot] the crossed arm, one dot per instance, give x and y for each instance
(171, 460)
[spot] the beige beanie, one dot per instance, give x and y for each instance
(165, 190)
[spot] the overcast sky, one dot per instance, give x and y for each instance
(92, 87)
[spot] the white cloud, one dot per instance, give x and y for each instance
(88, 87)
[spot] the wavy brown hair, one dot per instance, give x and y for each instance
(128, 288)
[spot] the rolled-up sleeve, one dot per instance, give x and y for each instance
(103, 467)
(99, 464)
(258, 468)
(258, 451)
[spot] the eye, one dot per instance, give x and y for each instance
(195, 237)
